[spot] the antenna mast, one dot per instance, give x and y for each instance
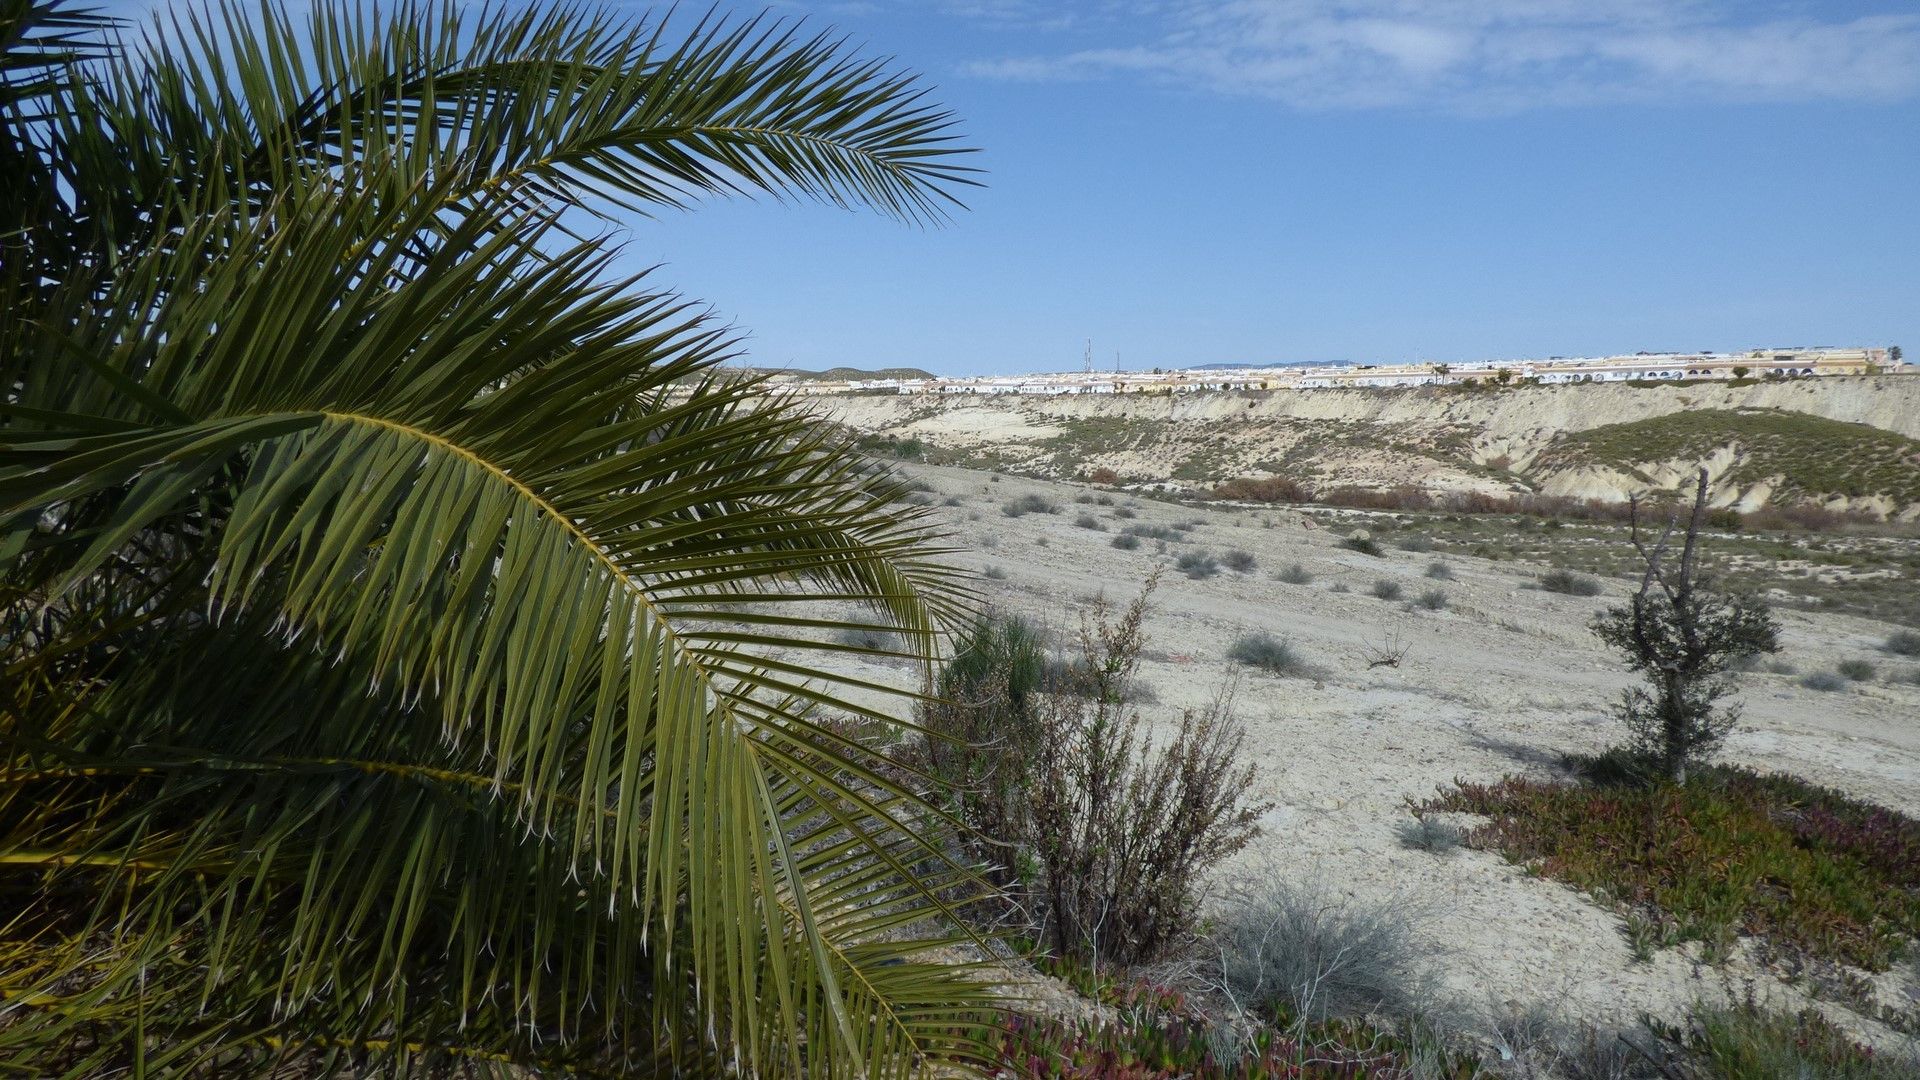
(1089, 356)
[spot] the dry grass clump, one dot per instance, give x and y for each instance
(1262, 650)
(1431, 600)
(1856, 670)
(1088, 521)
(1126, 542)
(1363, 544)
(1197, 565)
(1310, 954)
(1568, 583)
(1823, 681)
(1238, 561)
(1029, 504)
(1386, 590)
(1439, 571)
(1294, 574)
(1902, 643)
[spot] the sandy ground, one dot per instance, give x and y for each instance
(1503, 680)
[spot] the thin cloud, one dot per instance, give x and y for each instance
(1492, 55)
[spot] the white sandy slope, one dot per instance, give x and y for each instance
(1503, 680)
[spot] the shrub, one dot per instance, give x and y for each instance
(1683, 636)
(1902, 643)
(953, 500)
(1029, 504)
(1154, 532)
(1103, 476)
(1126, 542)
(1362, 544)
(1339, 587)
(1197, 565)
(1238, 561)
(1268, 653)
(1088, 521)
(1415, 542)
(1308, 954)
(1568, 583)
(1432, 600)
(1856, 670)
(1125, 513)
(1386, 590)
(1265, 489)
(1824, 681)
(1439, 571)
(1295, 574)
(995, 573)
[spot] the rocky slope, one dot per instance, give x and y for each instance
(1845, 443)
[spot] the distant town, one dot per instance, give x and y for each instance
(1639, 367)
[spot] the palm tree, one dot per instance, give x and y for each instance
(418, 655)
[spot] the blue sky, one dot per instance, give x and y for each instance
(1244, 181)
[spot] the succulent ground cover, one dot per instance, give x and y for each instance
(1806, 869)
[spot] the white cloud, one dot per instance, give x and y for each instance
(1485, 55)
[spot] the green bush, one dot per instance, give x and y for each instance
(1856, 670)
(1363, 545)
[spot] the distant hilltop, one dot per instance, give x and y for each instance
(1782, 363)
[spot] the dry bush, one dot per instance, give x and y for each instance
(1103, 476)
(1311, 954)
(1263, 489)
(1099, 836)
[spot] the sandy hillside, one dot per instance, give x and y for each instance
(1495, 443)
(1503, 679)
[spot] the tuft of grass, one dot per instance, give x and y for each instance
(1430, 835)
(1339, 587)
(1126, 542)
(1439, 571)
(1308, 953)
(1238, 561)
(1362, 544)
(1432, 600)
(995, 573)
(1197, 565)
(1088, 521)
(1902, 643)
(1856, 670)
(1824, 681)
(1124, 513)
(1813, 871)
(867, 637)
(1154, 532)
(1386, 590)
(1414, 542)
(1294, 575)
(1745, 1042)
(1262, 650)
(953, 500)
(1029, 504)
(1568, 583)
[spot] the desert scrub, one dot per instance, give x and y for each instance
(1238, 561)
(1439, 571)
(1126, 542)
(995, 573)
(1386, 590)
(1414, 542)
(1154, 532)
(1733, 851)
(1029, 504)
(1429, 835)
(1902, 643)
(1268, 653)
(1568, 583)
(1855, 670)
(1362, 544)
(1823, 681)
(1088, 521)
(1432, 600)
(1294, 574)
(1197, 565)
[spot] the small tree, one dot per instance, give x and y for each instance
(1684, 636)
